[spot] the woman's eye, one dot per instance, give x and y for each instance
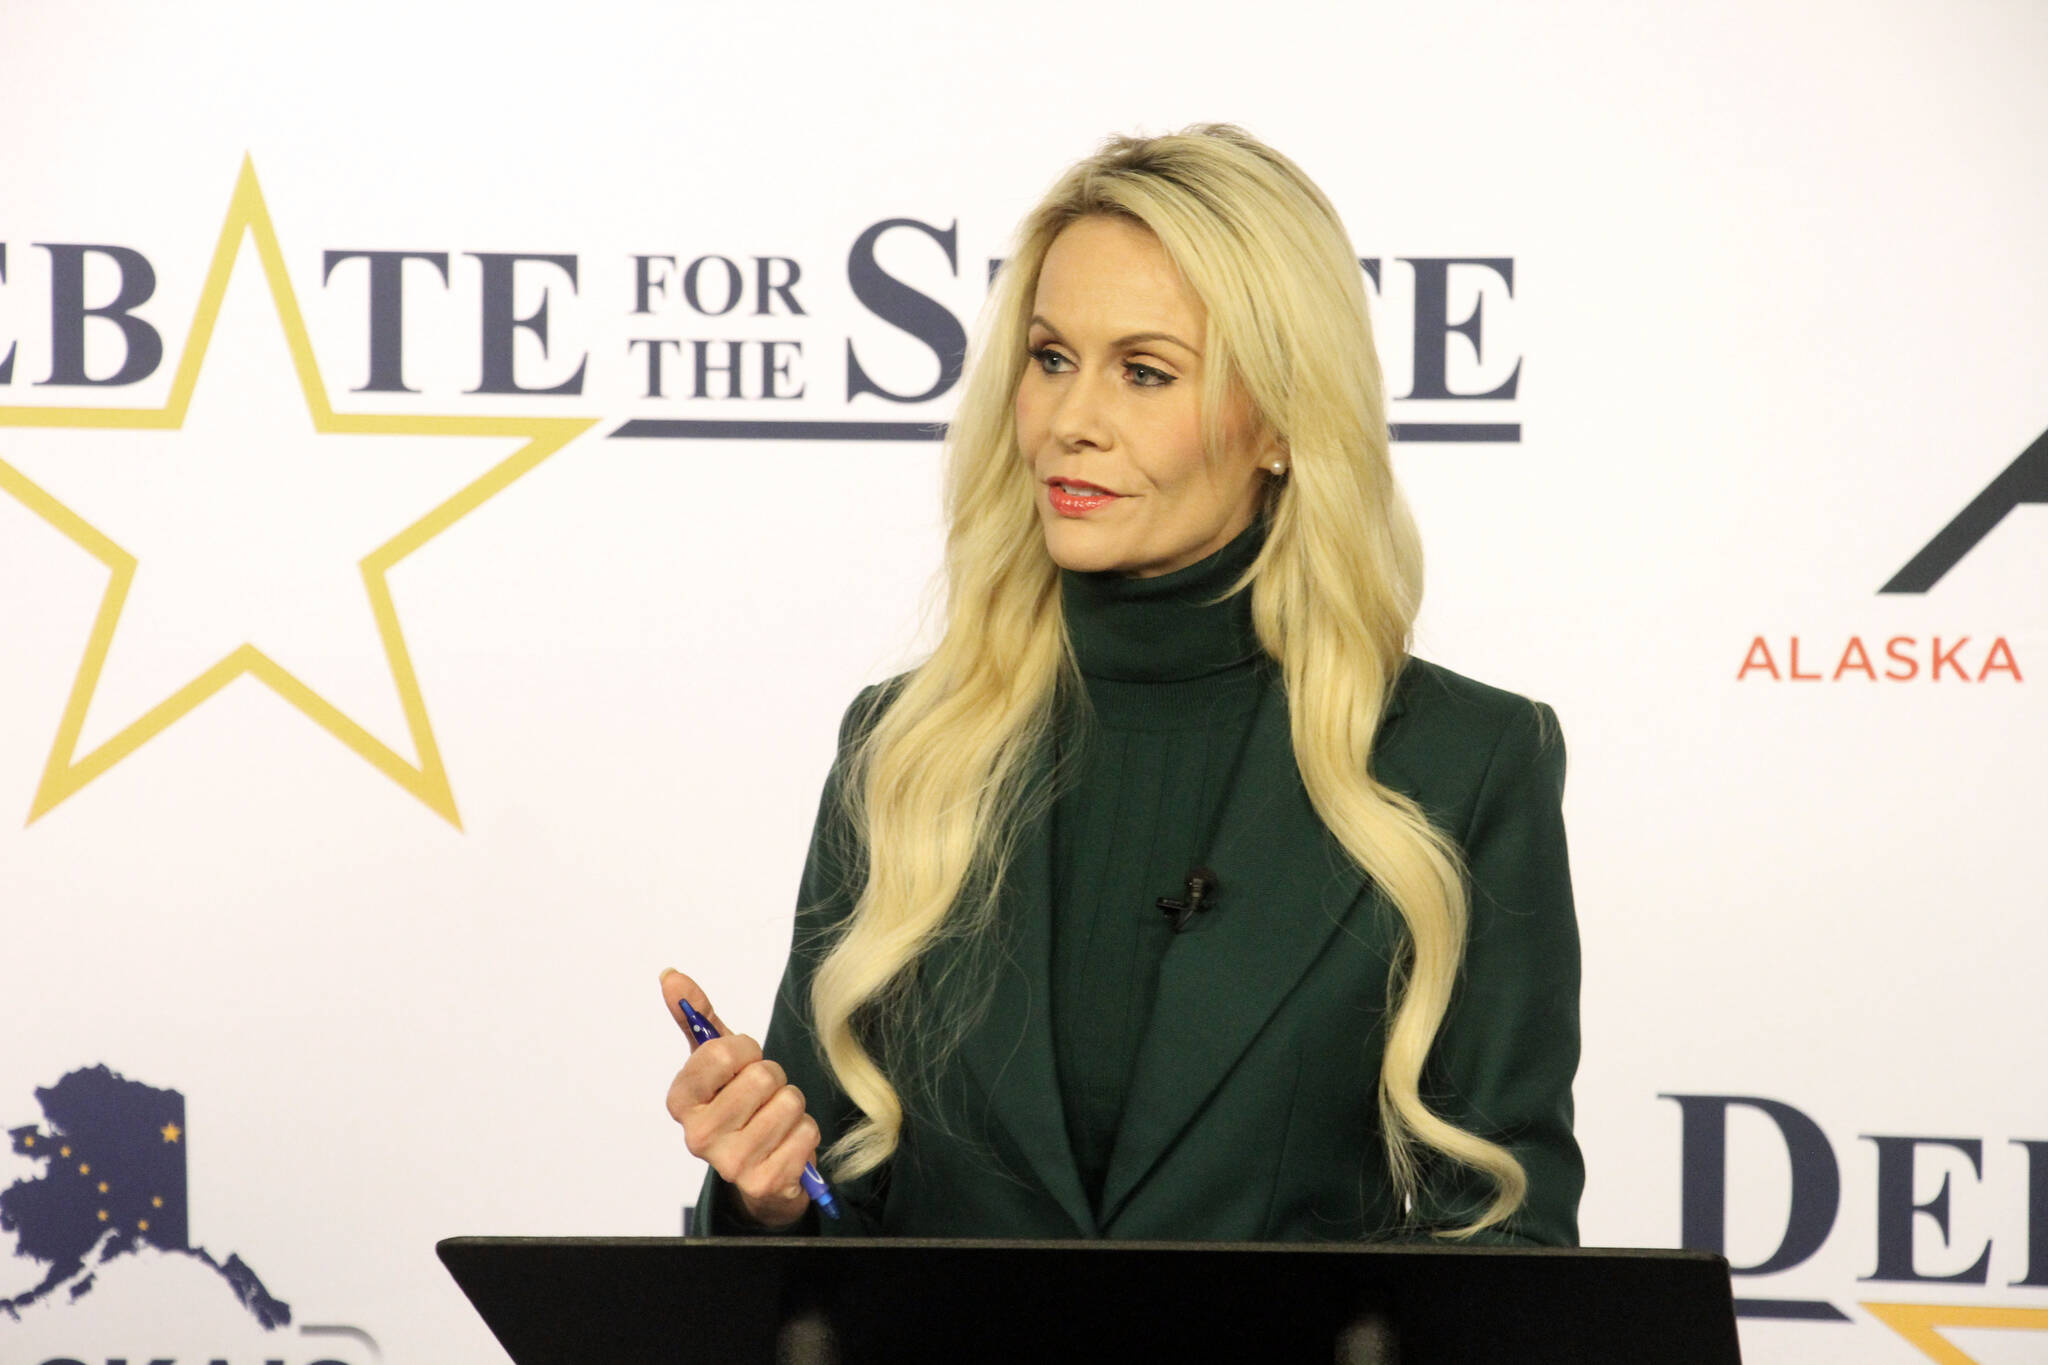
(1145, 377)
(1049, 360)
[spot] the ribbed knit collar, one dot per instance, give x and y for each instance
(1166, 629)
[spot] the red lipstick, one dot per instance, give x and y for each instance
(1077, 497)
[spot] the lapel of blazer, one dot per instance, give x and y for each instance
(1226, 975)
(1010, 1049)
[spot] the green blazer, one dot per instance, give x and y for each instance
(1252, 1112)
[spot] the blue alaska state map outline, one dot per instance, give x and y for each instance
(113, 1156)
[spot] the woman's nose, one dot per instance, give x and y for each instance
(1081, 420)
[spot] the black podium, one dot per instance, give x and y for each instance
(719, 1301)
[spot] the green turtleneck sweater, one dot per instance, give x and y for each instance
(1172, 677)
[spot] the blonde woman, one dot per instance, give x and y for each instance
(1171, 897)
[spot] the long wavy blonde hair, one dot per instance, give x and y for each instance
(939, 778)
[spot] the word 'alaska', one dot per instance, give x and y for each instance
(1946, 658)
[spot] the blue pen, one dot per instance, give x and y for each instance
(814, 1184)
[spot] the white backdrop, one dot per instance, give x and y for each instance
(385, 905)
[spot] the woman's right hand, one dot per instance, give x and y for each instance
(740, 1114)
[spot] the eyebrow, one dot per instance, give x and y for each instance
(1131, 339)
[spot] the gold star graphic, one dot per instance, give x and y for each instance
(156, 1201)
(1917, 1323)
(84, 1168)
(103, 1215)
(142, 1225)
(29, 1141)
(171, 1131)
(66, 771)
(103, 1187)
